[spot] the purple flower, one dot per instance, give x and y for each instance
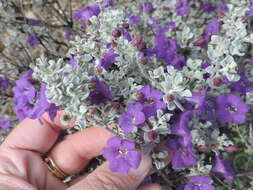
(199, 183)
(108, 3)
(198, 98)
(181, 129)
(85, 13)
(132, 117)
(170, 25)
(32, 40)
(73, 62)
(133, 19)
(222, 167)
(67, 34)
(178, 62)
(222, 7)
(182, 156)
(108, 59)
(231, 108)
(24, 88)
(147, 7)
(249, 13)
(33, 21)
(100, 93)
(182, 8)
(206, 64)
(5, 123)
(152, 100)
(243, 85)
(212, 28)
(127, 36)
(30, 102)
(165, 48)
(122, 155)
(4, 82)
(207, 7)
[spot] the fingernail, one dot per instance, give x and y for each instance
(144, 168)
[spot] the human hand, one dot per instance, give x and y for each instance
(22, 168)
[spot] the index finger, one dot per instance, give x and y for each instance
(36, 135)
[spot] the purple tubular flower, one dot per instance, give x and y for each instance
(108, 3)
(134, 116)
(73, 62)
(181, 129)
(108, 59)
(100, 93)
(212, 28)
(179, 62)
(222, 7)
(133, 19)
(152, 100)
(24, 88)
(32, 40)
(165, 47)
(5, 123)
(182, 8)
(29, 102)
(199, 183)
(170, 25)
(33, 21)
(147, 7)
(198, 99)
(243, 85)
(4, 82)
(222, 167)
(231, 108)
(206, 64)
(182, 156)
(207, 7)
(85, 13)
(67, 34)
(249, 13)
(122, 155)
(127, 36)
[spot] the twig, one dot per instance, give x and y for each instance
(71, 12)
(165, 178)
(244, 173)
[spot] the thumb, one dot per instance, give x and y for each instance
(103, 179)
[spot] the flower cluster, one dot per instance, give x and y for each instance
(30, 102)
(174, 72)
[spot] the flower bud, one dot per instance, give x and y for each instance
(217, 81)
(87, 22)
(92, 111)
(144, 60)
(231, 148)
(199, 42)
(142, 46)
(152, 135)
(213, 146)
(116, 33)
(202, 148)
(114, 44)
(136, 41)
(126, 26)
(170, 98)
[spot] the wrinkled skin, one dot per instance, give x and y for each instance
(22, 168)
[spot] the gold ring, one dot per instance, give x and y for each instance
(52, 167)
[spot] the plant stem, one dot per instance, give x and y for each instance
(244, 173)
